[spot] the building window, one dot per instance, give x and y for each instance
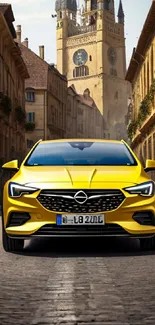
(60, 14)
(116, 95)
(154, 145)
(90, 58)
(81, 71)
(148, 77)
(30, 144)
(113, 72)
(30, 96)
(149, 148)
(31, 117)
(145, 78)
(152, 64)
(145, 150)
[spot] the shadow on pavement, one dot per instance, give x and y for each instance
(84, 247)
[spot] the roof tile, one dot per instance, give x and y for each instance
(37, 68)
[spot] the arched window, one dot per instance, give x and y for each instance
(81, 71)
(152, 64)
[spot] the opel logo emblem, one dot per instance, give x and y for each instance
(80, 197)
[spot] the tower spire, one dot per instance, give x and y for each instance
(120, 13)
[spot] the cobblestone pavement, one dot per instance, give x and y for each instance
(99, 282)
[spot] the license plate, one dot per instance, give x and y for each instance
(81, 219)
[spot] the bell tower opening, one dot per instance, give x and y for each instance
(93, 5)
(109, 6)
(66, 9)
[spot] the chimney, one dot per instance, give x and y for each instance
(26, 42)
(41, 51)
(18, 32)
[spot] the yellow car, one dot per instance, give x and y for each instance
(83, 188)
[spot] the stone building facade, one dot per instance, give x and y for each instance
(13, 73)
(83, 117)
(92, 56)
(45, 95)
(141, 108)
(57, 104)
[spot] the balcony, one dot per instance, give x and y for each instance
(29, 126)
(20, 115)
(5, 106)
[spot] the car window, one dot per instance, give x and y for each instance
(81, 154)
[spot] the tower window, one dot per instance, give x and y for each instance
(81, 71)
(94, 5)
(60, 14)
(90, 58)
(113, 72)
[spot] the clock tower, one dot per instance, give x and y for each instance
(92, 56)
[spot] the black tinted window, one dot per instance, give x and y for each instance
(81, 153)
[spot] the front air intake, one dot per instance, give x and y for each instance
(145, 218)
(18, 219)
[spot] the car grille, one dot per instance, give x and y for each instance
(58, 201)
(69, 231)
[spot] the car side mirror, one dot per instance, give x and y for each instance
(150, 165)
(11, 165)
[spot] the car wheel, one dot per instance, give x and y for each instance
(12, 245)
(147, 243)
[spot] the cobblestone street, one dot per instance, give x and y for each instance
(107, 282)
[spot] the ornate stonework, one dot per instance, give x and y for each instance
(76, 41)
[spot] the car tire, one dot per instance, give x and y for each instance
(147, 244)
(12, 245)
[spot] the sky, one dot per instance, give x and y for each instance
(40, 28)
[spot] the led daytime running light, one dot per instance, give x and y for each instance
(141, 189)
(17, 190)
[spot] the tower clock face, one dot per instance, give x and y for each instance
(112, 55)
(80, 57)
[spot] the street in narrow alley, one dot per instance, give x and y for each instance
(78, 282)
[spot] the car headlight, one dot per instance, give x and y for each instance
(17, 190)
(145, 189)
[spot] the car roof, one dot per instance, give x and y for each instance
(81, 140)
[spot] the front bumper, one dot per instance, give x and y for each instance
(42, 222)
(108, 230)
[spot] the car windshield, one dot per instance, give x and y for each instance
(81, 154)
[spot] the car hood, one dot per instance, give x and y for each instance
(70, 176)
